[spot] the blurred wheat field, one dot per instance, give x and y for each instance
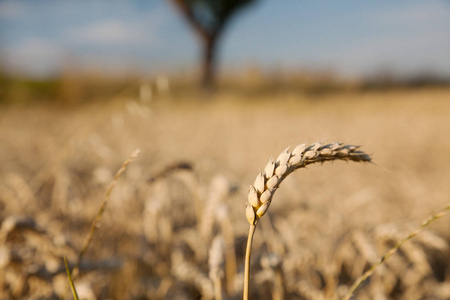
(158, 234)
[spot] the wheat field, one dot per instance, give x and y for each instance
(174, 226)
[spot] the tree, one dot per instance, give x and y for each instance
(208, 19)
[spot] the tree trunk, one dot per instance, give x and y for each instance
(209, 62)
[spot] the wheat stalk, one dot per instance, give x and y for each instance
(260, 194)
(215, 261)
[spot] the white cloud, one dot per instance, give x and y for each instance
(405, 40)
(48, 34)
(34, 56)
(109, 32)
(121, 30)
(424, 13)
(403, 55)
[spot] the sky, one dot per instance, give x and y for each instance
(351, 37)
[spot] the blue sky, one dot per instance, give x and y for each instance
(353, 37)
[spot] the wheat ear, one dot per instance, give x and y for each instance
(267, 182)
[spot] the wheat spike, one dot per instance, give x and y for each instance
(266, 183)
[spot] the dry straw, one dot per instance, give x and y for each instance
(267, 182)
(98, 217)
(96, 224)
(393, 250)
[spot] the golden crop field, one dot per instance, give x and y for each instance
(174, 226)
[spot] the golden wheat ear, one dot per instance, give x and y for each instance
(260, 194)
(267, 182)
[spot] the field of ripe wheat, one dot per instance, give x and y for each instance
(174, 225)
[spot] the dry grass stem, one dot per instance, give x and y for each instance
(393, 250)
(69, 276)
(98, 217)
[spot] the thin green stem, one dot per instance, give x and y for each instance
(248, 251)
(72, 285)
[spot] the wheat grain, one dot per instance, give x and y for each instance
(266, 183)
